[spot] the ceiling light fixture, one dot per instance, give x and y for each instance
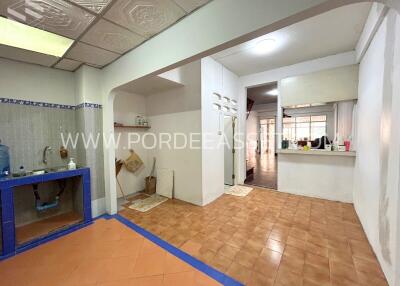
(25, 37)
(265, 46)
(273, 92)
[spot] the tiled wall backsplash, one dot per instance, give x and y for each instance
(89, 120)
(27, 130)
(28, 127)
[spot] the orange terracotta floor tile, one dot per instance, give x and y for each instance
(269, 238)
(106, 253)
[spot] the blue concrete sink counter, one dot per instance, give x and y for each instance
(8, 228)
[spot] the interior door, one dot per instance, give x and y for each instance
(229, 154)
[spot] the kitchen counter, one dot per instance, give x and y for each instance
(317, 152)
(7, 217)
(317, 173)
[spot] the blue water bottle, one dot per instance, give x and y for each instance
(4, 161)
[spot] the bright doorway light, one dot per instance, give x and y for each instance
(265, 46)
(22, 36)
(273, 92)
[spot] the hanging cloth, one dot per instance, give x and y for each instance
(133, 163)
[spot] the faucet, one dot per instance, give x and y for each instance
(45, 151)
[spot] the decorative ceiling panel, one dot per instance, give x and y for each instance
(190, 5)
(95, 5)
(91, 55)
(26, 56)
(111, 37)
(55, 16)
(68, 65)
(125, 25)
(145, 17)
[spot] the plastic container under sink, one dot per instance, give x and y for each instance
(4, 161)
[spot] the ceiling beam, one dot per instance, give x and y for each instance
(375, 18)
(219, 25)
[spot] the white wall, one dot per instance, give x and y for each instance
(36, 83)
(215, 78)
(334, 61)
(324, 86)
(185, 162)
(325, 177)
(307, 67)
(185, 98)
(126, 107)
(88, 85)
(376, 191)
(178, 111)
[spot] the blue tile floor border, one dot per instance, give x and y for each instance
(201, 266)
(197, 264)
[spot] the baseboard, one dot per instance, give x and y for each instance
(98, 207)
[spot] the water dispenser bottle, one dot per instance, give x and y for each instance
(4, 161)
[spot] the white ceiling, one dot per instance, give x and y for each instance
(150, 85)
(327, 34)
(259, 94)
(103, 30)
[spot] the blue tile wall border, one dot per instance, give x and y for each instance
(88, 105)
(50, 105)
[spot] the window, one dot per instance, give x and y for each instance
(304, 127)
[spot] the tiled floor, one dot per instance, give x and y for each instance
(265, 171)
(270, 238)
(106, 253)
(43, 227)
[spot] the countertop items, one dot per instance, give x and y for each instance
(317, 152)
(63, 152)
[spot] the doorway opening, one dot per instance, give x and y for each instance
(229, 152)
(261, 161)
(267, 138)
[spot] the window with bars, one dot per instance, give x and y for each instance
(304, 127)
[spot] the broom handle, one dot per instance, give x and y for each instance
(120, 187)
(152, 169)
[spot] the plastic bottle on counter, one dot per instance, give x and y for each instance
(71, 164)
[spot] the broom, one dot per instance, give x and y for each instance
(118, 167)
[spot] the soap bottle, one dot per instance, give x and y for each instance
(71, 164)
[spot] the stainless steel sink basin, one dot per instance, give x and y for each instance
(41, 171)
(48, 170)
(57, 169)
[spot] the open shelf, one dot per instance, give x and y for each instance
(132, 126)
(46, 226)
